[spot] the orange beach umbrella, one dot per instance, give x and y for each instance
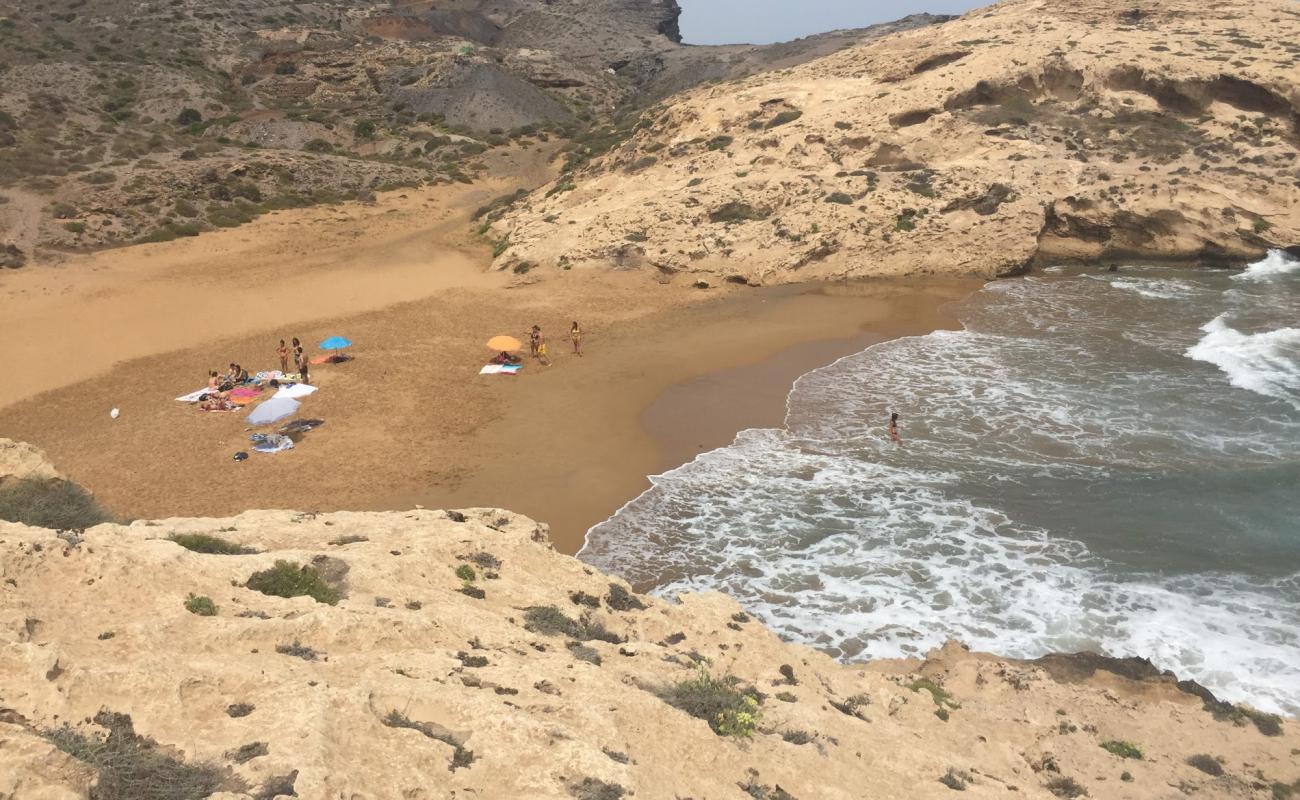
(504, 344)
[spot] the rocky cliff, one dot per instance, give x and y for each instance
(1027, 132)
(438, 654)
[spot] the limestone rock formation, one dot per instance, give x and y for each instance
(456, 655)
(1028, 132)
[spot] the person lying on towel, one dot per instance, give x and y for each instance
(507, 358)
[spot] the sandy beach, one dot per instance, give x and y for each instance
(669, 369)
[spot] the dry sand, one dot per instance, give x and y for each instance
(409, 421)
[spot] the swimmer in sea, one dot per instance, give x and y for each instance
(893, 429)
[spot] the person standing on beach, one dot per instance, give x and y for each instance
(283, 352)
(534, 340)
(541, 349)
(304, 366)
(575, 333)
(893, 429)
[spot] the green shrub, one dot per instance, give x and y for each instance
(905, 221)
(287, 579)
(719, 143)
(1062, 786)
(201, 605)
(98, 178)
(840, 198)
(783, 118)
(500, 246)
(729, 710)
(75, 227)
(133, 767)
(212, 545)
(49, 503)
(1122, 749)
(940, 696)
(286, 68)
(318, 146)
(188, 116)
(185, 208)
(466, 573)
(1206, 763)
(550, 621)
(736, 211)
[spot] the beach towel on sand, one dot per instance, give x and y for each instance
(245, 391)
(270, 442)
(501, 369)
(193, 397)
(295, 391)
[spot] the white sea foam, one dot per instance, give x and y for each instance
(1267, 363)
(1156, 288)
(1274, 264)
(1069, 480)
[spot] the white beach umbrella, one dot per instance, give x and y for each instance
(273, 410)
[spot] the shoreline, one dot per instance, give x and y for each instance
(410, 422)
(683, 399)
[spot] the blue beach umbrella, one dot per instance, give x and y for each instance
(335, 343)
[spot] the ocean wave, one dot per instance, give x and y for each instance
(1156, 288)
(1069, 480)
(1274, 264)
(1266, 363)
(870, 559)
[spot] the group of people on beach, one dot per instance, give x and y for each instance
(301, 364)
(221, 384)
(537, 343)
(537, 346)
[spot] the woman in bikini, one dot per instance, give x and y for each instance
(893, 429)
(534, 340)
(283, 352)
(541, 349)
(575, 333)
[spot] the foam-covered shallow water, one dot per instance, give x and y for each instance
(1099, 460)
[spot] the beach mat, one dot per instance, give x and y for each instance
(295, 391)
(193, 397)
(501, 369)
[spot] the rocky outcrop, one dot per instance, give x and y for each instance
(436, 654)
(1020, 134)
(22, 460)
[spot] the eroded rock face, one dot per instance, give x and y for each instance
(1019, 134)
(545, 681)
(22, 460)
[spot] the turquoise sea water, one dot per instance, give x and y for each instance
(1099, 460)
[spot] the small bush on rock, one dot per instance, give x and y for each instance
(1207, 764)
(212, 545)
(201, 605)
(729, 710)
(133, 767)
(1122, 749)
(49, 503)
(287, 579)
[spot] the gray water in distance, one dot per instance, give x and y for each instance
(1102, 461)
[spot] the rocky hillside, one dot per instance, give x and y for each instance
(1029, 131)
(452, 654)
(125, 121)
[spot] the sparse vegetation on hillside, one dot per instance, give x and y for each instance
(49, 503)
(132, 767)
(287, 579)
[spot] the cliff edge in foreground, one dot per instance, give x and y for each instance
(436, 654)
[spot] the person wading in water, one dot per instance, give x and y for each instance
(893, 429)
